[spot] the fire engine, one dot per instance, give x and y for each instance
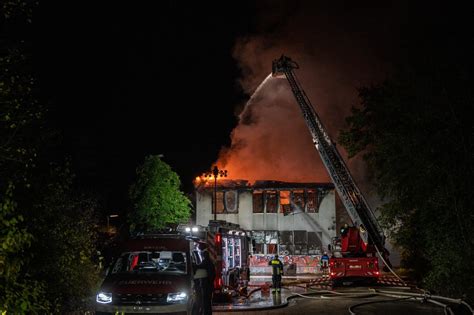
(228, 247)
(354, 253)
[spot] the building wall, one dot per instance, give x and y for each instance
(323, 222)
(326, 222)
(243, 217)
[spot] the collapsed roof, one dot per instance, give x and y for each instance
(243, 184)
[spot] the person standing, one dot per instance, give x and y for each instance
(324, 262)
(277, 272)
(207, 283)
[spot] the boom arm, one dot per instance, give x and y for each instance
(352, 198)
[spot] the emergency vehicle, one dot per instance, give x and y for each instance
(352, 259)
(152, 273)
(355, 253)
(228, 246)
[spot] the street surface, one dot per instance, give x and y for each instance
(316, 296)
(318, 305)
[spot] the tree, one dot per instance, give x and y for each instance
(46, 228)
(416, 132)
(20, 114)
(156, 196)
(64, 248)
(20, 293)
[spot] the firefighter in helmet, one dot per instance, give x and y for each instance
(277, 272)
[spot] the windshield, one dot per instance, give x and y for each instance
(144, 261)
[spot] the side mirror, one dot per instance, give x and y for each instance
(329, 247)
(200, 274)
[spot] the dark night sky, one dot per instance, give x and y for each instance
(129, 79)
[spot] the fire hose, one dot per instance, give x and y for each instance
(387, 265)
(395, 295)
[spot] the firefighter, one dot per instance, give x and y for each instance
(324, 262)
(277, 271)
(208, 283)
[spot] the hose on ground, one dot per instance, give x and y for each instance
(352, 307)
(395, 295)
(386, 264)
(425, 296)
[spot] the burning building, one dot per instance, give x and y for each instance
(295, 220)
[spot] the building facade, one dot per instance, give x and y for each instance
(294, 220)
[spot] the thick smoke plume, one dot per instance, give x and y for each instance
(338, 51)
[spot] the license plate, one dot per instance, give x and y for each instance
(355, 266)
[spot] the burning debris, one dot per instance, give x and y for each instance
(204, 182)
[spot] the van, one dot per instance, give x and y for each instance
(151, 274)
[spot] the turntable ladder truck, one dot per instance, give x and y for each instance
(354, 256)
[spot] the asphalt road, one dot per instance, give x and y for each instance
(302, 306)
(333, 304)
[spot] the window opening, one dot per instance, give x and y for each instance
(257, 201)
(271, 201)
(311, 201)
(285, 202)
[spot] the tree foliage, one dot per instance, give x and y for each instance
(156, 196)
(416, 132)
(64, 250)
(47, 229)
(20, 292)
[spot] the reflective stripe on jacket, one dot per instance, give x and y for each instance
(277, 267)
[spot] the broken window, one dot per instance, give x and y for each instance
(258, 242)
(272, 249)
(314, 243)
(301, 242)
(311, 201)
(285, 202)
(271, 237)
(286, 237)
(258, 237)
(297, 198)
(301, 237)
(272, 201)
(259, 249)
(257, 201)
(231, 201)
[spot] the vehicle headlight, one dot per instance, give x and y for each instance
(104, 298)
(177, 297)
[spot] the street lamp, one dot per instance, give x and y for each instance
(216, 172)
(108, 220)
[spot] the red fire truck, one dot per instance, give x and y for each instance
(354, 255)
(228, 247)
(352, 259)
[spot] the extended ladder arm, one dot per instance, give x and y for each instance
(352, 198)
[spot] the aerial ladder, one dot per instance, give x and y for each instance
(357, 207)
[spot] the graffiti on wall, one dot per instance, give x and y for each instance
(298, 260)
